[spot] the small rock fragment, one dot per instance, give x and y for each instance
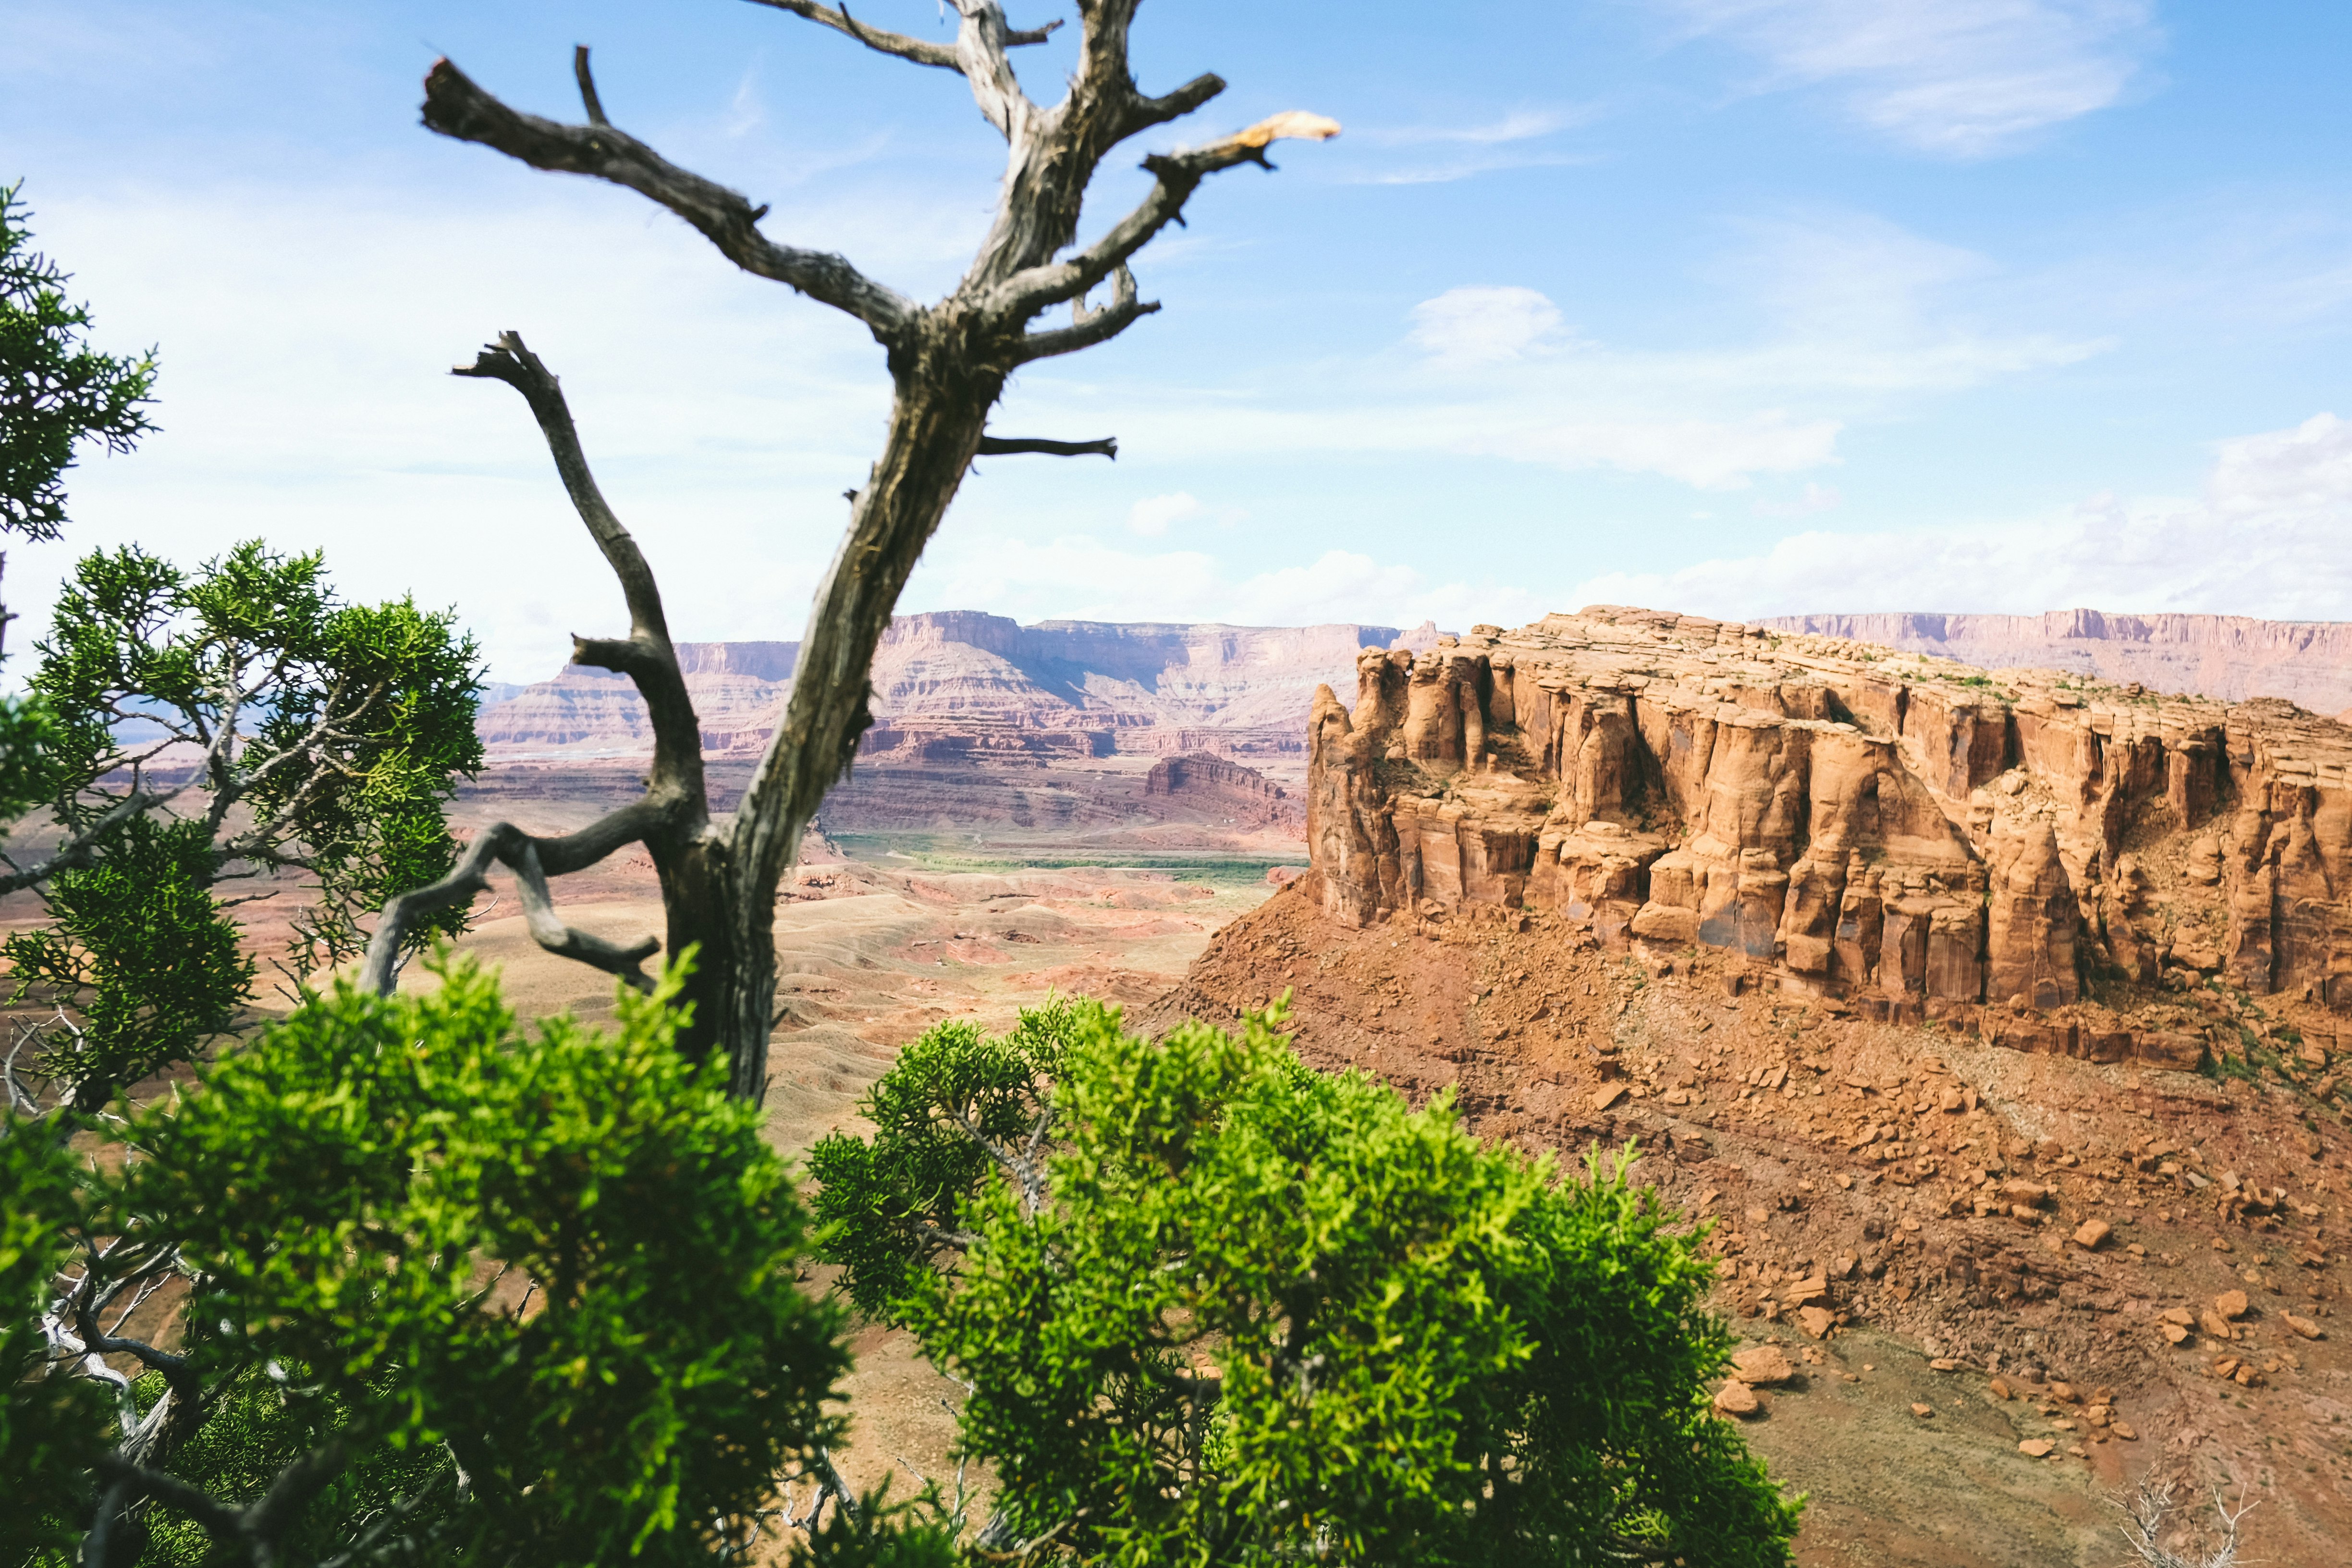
(2091, 1233)
(2217, 1326)
(1945, 1363)
(2230, 1304)
(2303, 1326)
(2036, 1447)
(1816, 1321)
(1999, 1388)
(1736, 1398)
(1923, 1411)
(1607, 1095)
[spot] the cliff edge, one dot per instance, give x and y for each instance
(1917, 836)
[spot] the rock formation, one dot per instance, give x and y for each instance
(2230, 656)
(956, 687)
(1897, 829)
(1214, 784)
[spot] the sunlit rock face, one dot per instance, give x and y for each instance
(1863, 822)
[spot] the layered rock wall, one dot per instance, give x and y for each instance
(1863, 823)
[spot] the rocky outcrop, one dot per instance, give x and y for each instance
(2230, 656)
(960, 685)
(1214, 784)
(1863, 824)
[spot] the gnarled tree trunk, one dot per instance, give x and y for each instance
(948, 364)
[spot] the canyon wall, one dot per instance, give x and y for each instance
(954, 687)
(1861, 822)
(2230, 656)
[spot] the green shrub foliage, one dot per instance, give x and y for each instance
(51, 1427)
(216, 727)
(55, 391)
(1216, 1308)
(529, 1295)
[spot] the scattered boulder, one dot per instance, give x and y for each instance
(1736, 1398)
(2091, 1233)
(2037, 1447)
(2303, 1326)
(1762, 1366)
(1817, 1322)
(2230, 1304)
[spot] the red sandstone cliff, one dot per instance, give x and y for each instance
(1868, 824)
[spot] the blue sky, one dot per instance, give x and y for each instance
(1741, 307)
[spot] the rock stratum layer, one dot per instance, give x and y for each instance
(958, 686)
(1893, 829)
(2232, 657)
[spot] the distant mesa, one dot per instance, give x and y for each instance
(958, 687)
(2233, 657)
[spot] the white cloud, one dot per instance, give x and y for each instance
(2264, 538)
(1087, 579)
(311, 406)
(1472, 325)
(1964, 78)
(1149, 517)
(1705, 455)
(1435, 154)
(1520, 126)
(1814, 497)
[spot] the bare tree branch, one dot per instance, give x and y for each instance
(568, 942)
(920, 51)
(2147, 1511)
(456, 107)
(502, 843)
(1010, 445)
(1089, 327)
(981, 39)
(648, 658)
(1178, 174)
(588, 98)
(948, 363)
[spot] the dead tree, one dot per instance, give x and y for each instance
(2148, 1516)
(948, 364)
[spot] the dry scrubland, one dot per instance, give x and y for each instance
(1984, 1278)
